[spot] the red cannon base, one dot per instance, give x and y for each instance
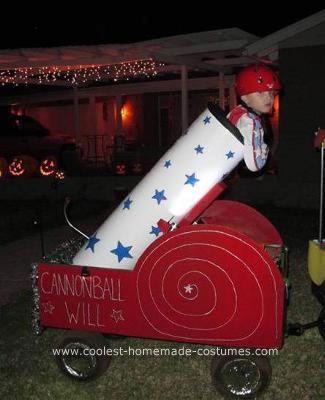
(201, 283)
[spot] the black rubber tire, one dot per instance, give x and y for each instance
(81, 367)
(240, 370)
(321, 326)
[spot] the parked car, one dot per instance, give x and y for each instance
(21, 135)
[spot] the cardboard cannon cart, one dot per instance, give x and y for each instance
(211, 272)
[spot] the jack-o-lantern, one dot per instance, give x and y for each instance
(3, 167)
(59, 175)
(137, 168)
(120, 169)
(23, 166)
(48, 166)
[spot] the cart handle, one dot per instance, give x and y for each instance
(65, 208)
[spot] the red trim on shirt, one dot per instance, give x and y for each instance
(236, 113)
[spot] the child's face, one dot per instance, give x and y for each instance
(260, 102)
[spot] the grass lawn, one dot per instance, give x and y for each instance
(28, 370)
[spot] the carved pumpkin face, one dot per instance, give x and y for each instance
(48, 166)
(59, 175)
(3, 167)
(137, 168)
(120, 169)
(16, 167)
(23, 166)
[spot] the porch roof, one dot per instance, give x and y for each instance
(212, 51)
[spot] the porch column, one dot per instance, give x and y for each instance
(184, 99)
(118, 116)
(76, 114)
(222, 90)
(93, 119)
(232, 95)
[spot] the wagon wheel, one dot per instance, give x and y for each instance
(241, 376)
(321, 326)
(82, 355)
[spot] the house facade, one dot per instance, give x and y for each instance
(191, 70)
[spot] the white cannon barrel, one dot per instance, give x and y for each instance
(179, 180)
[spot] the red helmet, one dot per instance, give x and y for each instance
(256, 78)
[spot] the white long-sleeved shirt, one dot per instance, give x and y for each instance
(250, 126)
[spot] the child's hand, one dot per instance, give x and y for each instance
(265, 150)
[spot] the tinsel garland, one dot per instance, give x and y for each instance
(63, 254)
(36, 326)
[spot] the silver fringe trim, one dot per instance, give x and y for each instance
(63, 254)
(36, 324)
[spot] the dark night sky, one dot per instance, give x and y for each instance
(119, 26)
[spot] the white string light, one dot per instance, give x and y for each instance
(80, 75)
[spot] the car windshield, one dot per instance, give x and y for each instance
(29, 126)
(21, 125)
